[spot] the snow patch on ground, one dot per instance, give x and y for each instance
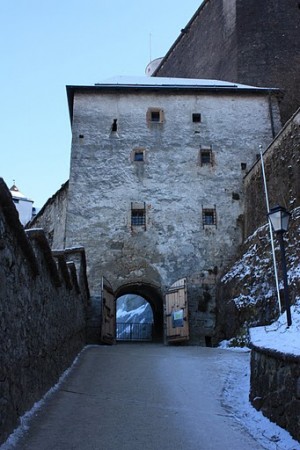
(236, 401)
(237, 387)
(12, 440)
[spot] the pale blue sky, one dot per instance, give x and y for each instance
(46, 45)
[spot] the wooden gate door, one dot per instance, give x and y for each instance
(108, 325)
(176, 312)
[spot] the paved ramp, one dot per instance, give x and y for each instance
(140, 397)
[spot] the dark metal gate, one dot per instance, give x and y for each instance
(134, 331)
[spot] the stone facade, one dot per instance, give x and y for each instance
(43, 308)
(249, 42)
(167, 183)
(275, 387)
(282, 169)
(52, 218)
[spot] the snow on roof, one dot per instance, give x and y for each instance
(174, 82)
(14, 190)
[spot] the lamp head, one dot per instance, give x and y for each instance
(279, 218)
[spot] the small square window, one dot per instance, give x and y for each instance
(138, 217)
(196, 117)
(155, 115)
(209, 217)
(138, 156)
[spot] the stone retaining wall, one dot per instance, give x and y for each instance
(275, 387)
(43, 305)
(247, 291)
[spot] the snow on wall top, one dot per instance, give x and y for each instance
(278, 336)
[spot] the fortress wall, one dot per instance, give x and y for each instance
(282, 168)
(43, 305)
(246, 42)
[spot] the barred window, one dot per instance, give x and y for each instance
(206, 156)
(138, 214)
(138, 217)
(209, 216)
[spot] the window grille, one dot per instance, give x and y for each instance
(138, 217)
(209, 216)
(206, 157)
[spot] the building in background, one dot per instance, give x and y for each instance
(23, 204)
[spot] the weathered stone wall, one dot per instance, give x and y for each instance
(247, 292)
(52, 218)
(248, 42)
(105, 181)
(43, 304)
(282, 168)
(275, 387)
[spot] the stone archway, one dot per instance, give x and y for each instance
(154, 297)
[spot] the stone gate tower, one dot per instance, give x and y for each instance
(156, 185)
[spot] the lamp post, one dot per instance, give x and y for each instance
(279, 218)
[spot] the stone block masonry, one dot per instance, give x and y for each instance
(44, 299)
(282, 168)
(275, 380)
(247, 42)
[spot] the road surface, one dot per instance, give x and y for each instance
(141, 397)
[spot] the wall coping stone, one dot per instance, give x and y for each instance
(38, 235)
(289, 357)
(80, 251)
(62, 264)
(73, 274)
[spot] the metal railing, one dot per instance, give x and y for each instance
(134, 331)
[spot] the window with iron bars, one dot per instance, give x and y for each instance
(138, 215)
(206, 157)
(209, 216)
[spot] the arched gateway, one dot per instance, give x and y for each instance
(170, 311)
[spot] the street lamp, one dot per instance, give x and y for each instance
(279, 218)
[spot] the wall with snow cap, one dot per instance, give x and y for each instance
(43, 304)
(275, 377)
